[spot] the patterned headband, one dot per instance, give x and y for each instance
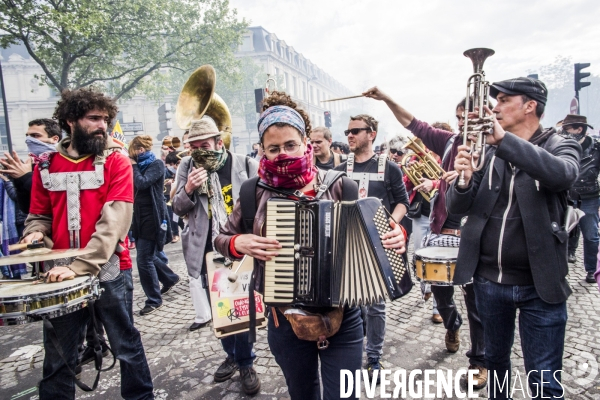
(275, 114)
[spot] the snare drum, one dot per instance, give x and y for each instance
(435, 265)
(25, 302)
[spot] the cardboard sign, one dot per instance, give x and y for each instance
(229, 300)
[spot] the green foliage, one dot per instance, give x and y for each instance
(125, 46)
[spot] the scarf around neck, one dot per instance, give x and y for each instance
(288, 172)
(145, 159)
(211, 161)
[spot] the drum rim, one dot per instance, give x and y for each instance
(91, 282)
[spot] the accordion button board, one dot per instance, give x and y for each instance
(331, 254)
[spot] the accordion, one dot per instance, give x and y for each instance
(331, 254)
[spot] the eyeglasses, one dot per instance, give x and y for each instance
(356, 131)
(290, 147)
(394, 151)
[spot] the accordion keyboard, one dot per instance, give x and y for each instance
(279, 272)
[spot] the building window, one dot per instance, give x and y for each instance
(303, 90)
(288, 87)
(295, 86)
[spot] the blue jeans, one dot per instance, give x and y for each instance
(542, 330)
(114, 310)
(299, 359)
(238, 349)
(589, 229)
(375, 330)
(153, 271)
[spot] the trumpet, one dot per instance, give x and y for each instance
(477, 96)
(425, 167)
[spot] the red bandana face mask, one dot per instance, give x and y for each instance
(288, 172)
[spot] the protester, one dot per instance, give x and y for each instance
(105, 215)
(325, 158)
(150, 228)
(207, 188)
(365, 167)
(445, 229)
(41, 139)
(585, 191)
(514, 243)
(283, 128)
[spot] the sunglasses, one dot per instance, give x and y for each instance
(394, 151)
(355, 131)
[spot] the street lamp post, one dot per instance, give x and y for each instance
(8, 138)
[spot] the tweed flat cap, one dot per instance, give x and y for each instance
(533, 88)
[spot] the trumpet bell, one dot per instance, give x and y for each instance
(478, 57)
(198, 98)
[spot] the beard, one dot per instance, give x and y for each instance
(88, 143)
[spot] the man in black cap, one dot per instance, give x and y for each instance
(587, 191)
(514, 244)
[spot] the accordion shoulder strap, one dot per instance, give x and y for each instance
(330, 177)
(248, 193)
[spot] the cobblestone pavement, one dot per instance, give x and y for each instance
(182, 362)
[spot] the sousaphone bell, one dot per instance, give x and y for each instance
(198, 98)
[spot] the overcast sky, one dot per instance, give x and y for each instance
(413, 50)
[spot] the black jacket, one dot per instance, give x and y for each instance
(153, 178)
(541, 183)
(23, 187)
(586, 186)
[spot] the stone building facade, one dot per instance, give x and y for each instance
(306, 82)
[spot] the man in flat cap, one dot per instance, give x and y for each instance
(208, 185)
(514, 243)
(587, 191)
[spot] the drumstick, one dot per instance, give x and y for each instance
(232, 276)
(25, 246)
(18, 246)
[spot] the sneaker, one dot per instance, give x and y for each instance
(589, 278)
(452, 340)
(88, 354)
(225, 370)
(426, 296)
(149, 309)
(131, 245)
(571, 258)
(479, 379)
(167, 289)
(372, 365)
(250, 381)
(436, 319)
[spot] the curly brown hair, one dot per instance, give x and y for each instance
(74, 104)
(283, 99)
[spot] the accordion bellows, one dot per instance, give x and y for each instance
(332, 254)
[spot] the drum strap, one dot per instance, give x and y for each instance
(51, 332)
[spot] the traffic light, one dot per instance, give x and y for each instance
(235, 141)
(581, 75)
(259, 95)
(327, 119)
(165, 114)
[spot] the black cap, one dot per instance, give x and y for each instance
(533, 88)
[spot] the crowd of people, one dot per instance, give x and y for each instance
(506, 219)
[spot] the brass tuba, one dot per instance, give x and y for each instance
(425, 167)
(198, 98)
(477, 96)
